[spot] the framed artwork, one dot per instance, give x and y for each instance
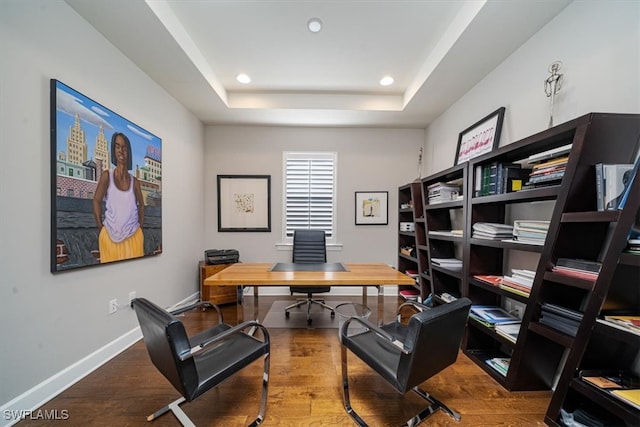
(106, 192)
(480, 138)
(244, 202)
(372, 207)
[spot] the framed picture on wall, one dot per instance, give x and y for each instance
(244, 202)
(480, 138)
(106, 184)
(372, 207)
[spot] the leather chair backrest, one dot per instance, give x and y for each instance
(165, 338)
(434, 337)
(309, 246)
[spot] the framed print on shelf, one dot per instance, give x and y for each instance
(480, 138)
(372, 207)
(244, 203)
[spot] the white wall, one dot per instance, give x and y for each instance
(368, 160)
(50, 322)
(599, 44)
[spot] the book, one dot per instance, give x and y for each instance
(493, 315)
(628, 181)
(554, 152)
(492, 280)
(579, 264)
(508, 331)
(500, 364)
(610, 180)
(631, 396)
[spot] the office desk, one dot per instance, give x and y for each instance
(260, 274)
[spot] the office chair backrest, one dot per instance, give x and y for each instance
(434, 336)
(309, 246)
(165, 338)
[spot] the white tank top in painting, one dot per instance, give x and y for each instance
(121, 216)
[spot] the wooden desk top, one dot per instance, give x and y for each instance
(259, 274)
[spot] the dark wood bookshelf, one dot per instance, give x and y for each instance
(543, 357)
(410, 194)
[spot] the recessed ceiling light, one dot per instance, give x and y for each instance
(314, 25)
(243, 78)
(386, 81)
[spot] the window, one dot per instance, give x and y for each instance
(309, 193)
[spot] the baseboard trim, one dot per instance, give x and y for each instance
(26, 404)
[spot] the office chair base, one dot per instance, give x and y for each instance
(308, 302)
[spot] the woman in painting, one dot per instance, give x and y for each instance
(120, 233)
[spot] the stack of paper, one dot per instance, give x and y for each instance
(492, 231)
(520, 282)
(441, 192)
(532, 232)
(448, 263)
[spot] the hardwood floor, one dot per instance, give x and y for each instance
(304, 387)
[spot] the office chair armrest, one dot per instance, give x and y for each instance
(225, 334)
(202, 304)
(390, 339)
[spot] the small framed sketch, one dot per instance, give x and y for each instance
(244, 202)
(480, 138)
(372, 207)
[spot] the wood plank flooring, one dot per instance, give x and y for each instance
(304, 387)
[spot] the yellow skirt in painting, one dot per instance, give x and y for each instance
(131, 247)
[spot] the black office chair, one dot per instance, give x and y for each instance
(406, 355)
(196, 364)
(309, 247)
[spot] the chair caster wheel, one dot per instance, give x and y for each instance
(333, 314)
(309, 321)
(286, 314)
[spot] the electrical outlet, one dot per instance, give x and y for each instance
(113, 306)
(132, 296)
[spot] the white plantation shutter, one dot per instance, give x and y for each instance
(309, 192)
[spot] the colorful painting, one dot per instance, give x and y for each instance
(106, 184)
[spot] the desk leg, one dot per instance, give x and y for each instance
(380, 305)
(239, 304)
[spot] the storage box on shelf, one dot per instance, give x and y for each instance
(411, 241)
(443, 199)
(567, 153)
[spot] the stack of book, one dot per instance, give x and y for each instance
(520, 282)
(581, 268)
(560, 318)
(626, 323)
(531, 232)
(410, 294)
(448, 263)
(442, 192)
(548, 167)
(500, 364)
(492, 231)
(492, 315)
(509, 331)
(633, 246)
(499, 178)
(454, 233)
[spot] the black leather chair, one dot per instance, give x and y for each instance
(406, 355)
(309, 247)
(196, 364)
